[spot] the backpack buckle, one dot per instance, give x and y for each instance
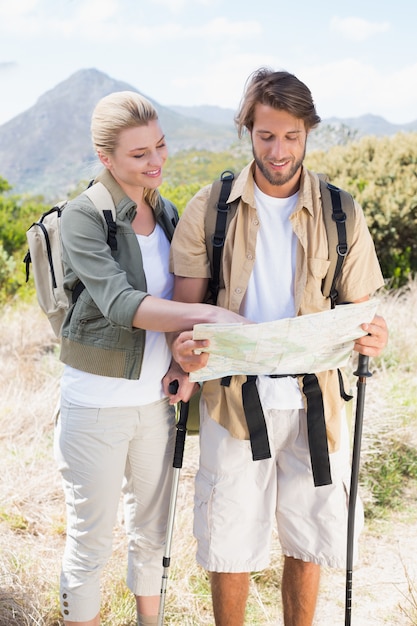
(222, 207)
(227, 175)
(217, 241)
(339, 217)
(342, 249)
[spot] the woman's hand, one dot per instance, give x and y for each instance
(177, 386)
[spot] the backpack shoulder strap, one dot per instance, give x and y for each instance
(171, 211)
(339, 217)
(103, 201)
(170, 216)
(217, 219)
(101, 197)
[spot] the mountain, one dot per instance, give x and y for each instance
(206, 113)
(372, 125)
(47, 149)
(348, 127)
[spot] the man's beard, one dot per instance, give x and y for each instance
(278, 178)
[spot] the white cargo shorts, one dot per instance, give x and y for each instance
(238, 500)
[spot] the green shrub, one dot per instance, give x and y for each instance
(381, 173)
(16, 215)
(9, 285)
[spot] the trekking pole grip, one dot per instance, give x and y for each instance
(363, 364)
(181, 434)
(181, 427)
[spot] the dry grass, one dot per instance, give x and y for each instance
(32, 521)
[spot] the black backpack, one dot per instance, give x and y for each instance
(338, 213)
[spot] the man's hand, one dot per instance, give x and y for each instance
(187, 351)
(376, 339)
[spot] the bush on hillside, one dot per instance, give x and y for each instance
(9, 285)
(381, 173)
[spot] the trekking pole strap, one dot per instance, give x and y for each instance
(317, 435)
(256, 420)
(316, 426)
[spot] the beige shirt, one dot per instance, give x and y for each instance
(361, 276)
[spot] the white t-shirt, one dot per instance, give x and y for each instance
(90, 390)
(270, 293)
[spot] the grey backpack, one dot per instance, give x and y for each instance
(45, 252)
(45, 255)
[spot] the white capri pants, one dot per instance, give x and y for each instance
(101, 452)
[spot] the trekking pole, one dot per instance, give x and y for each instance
(177, 465)
(363, 373)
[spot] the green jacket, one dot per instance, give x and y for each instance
(97, 334)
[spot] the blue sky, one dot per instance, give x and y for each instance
(357, 57)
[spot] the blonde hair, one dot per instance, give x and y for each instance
(116, 112)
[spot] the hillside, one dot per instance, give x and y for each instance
(32, 507)
(46, 150)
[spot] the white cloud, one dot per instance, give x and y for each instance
(95, 11)
(399, 86)
(17, 9)
(183, 51)
(222, 26)
(358, 88)
(356, 28)
(220, 84)
(178, 5)
(6, 66)
(111, 26)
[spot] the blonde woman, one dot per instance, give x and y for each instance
(116, 427)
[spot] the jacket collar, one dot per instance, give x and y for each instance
(244, 188)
